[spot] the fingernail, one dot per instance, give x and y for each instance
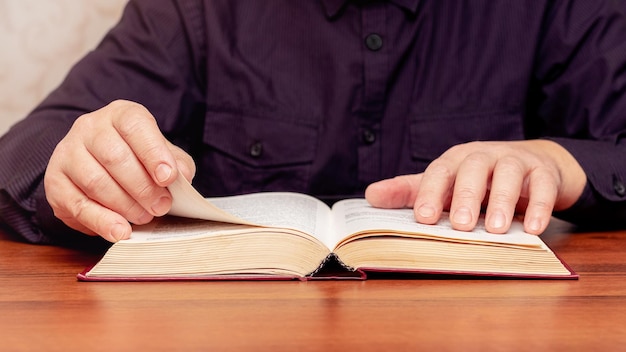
(161, 206)
(498, 220)
(426, 211)
(118, 232)
(163, 172)
(534, 225)
(462, 216)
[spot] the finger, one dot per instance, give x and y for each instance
(543, 191)
(120, 170)
(78, 211)
(434, 191)
(138, 128)
(94, 182)
(72, 165)
(470, 187)
(506, 184)
(397, 192)
(73, 224)
(184, 162)
(118, 157)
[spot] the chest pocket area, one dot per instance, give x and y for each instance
(245, 154)
(431, 135)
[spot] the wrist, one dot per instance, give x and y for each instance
(572, 176)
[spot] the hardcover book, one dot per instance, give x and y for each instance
(296, 236)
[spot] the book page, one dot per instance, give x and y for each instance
(269, 209)
(354, 216)
(188, 203)
(281, 209)
(176, 228)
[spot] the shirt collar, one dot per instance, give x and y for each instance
(333, 7)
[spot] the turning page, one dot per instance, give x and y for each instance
(272, 209)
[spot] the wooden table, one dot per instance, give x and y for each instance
(43, 307)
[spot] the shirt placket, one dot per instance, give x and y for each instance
(375, 66)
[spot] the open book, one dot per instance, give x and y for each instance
(291, 235)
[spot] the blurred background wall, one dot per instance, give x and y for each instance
(39, 42)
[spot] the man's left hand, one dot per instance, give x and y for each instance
(532, 177)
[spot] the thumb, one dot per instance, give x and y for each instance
(397, 192)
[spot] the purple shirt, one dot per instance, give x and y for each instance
(327, 96)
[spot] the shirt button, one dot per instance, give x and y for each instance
(256, 149)
(619, 187)
(369, 137)
(374, 42)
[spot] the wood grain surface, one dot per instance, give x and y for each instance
(43, 307)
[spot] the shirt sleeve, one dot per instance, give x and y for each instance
(153, 46)
(581, 74)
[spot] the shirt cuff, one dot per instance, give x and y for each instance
(603, 201)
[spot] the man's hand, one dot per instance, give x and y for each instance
(111, 169)
(533, 177)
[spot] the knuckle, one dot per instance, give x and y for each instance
(440, 169)
(93, 183)
(502, 197)
(135, 118)
(61, 149)
(121, 104)
(74, 209)
(457, 148)
(132, 124)
(145, 191)
(466, 148)
(134, 212)
(511, 163)
(87, 122)
(466, 193)
(541, 204)
(150, 152)
(453, 150)
(84, 119)
(477, 159)
(545, 176)
(116, 154)
(126, 108)
(474, 145)
(51, 181)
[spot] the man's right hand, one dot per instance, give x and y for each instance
(112, 168)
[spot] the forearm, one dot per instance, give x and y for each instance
(139, 60)
(581, 100)
(24, 154)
